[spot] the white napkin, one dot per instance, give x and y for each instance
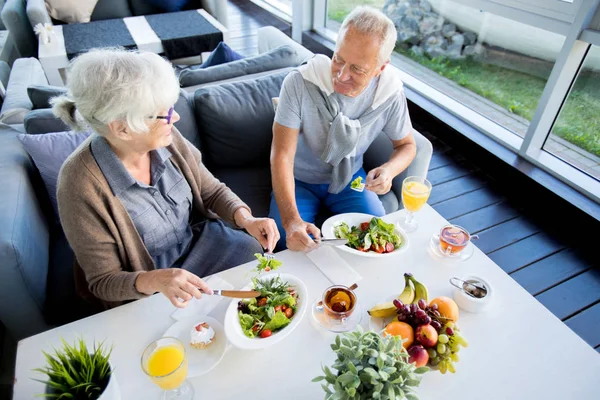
(333, 266)
(206, 304)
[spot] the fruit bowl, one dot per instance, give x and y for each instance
(355, 219)
(233, 329)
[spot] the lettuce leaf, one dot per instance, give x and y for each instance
(289, 301)
(247, 322)
(278, 321)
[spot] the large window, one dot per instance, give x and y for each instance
(575, 136)
(511, 68)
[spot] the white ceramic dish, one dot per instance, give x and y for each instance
(355, 219)
(234, 332)
(200, 361)
(469, 303)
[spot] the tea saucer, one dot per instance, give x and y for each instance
(435, 249)
(334, 325)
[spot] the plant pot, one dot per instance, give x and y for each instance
(111, 391)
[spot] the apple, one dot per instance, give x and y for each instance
(426, 335)
(418, 355)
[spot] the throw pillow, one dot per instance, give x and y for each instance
(71, 11)
(111, 9)
(49, 152)
(40, 95)
(43, 121)
(280, 57)
(170, 5)
(220, 55)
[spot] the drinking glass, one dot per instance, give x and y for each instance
(165, 362)
(415, 192)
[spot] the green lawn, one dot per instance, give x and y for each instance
(517, 92)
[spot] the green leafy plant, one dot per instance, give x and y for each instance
(370, 367)
(75, 372)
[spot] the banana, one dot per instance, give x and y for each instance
(383, 310)
(408, 294)
(421, 291)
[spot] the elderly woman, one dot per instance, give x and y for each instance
(137, 205)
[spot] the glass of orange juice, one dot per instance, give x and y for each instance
(166, 364)
(415, 192)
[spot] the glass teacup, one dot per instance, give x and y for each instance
(453, 239)
(339, 302)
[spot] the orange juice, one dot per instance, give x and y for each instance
(414, 195)
(165, 367)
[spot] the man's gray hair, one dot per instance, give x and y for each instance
(106, 85)
(370, 21)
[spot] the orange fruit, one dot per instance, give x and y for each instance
(402, 329)
(447, 307)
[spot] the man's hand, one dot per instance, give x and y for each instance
(297, 236)
(264, 230)
(379, 180)
(178, 285)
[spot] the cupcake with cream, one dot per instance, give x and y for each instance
(202, 335)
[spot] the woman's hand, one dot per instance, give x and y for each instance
(297, 236)
(178, 285)
(263, 229)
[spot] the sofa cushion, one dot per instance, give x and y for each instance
(71, 11)
(24, 240)
(43, 121)
(252, 185)
(235, 121)
(281, 57)
(187, 122)
(40, 95)
(25, 72)
(145, 7)
(49, 152)
(111, 9)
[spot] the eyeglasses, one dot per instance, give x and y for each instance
(168, 116)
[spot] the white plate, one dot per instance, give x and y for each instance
(200, 361)
(234, 332)
(355, 219)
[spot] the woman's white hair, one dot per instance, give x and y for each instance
(106, 85)
(370, 21)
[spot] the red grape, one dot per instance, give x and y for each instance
(422, 304)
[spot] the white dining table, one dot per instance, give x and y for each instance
(517, 348)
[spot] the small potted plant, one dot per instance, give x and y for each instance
(370, 366)
(75, 372)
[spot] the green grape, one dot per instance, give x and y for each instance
(443, 338)
(434, 362)
(450, 324)
(443, 367)
(451, 367)
(431, 353)
(454, 347)
(461, 340)
(441, 348)
(454, 357)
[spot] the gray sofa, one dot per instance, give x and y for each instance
(230, 122)
(20, 16)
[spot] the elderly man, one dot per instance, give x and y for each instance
(329, 112)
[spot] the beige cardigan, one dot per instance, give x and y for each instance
(109, 252)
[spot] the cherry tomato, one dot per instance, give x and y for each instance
(283, 307)
(364, 226)
(254, 328)
(277, 308)
(266, 333)
(262, 302)
(289, 312)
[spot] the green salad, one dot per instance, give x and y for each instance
(357, 184)
(271, 311)
(375, 235)
(266, 264)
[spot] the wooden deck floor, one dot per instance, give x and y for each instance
(539, 256)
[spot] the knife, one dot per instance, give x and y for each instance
(238, 294)
(332, 242)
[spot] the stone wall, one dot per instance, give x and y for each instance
(425, 31)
